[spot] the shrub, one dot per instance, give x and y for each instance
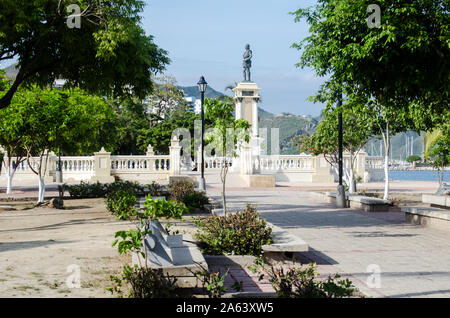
(195, 200)
(145, 283)
(241, 233)
(303, 283)
(100, 190)
(162, 208)
(155, 189)
(120, 203)
(133, 188)
(178, 189)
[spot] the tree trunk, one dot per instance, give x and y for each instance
(351, 178)
(9, 175)
(41, 189)
(224, 179)
(386, 139)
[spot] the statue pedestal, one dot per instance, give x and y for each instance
(246, 95)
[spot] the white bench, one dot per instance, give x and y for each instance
(284, 242)
(367, 204)
(428, 216)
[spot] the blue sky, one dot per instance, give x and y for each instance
(208, 37)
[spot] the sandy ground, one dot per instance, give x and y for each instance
(42, 248)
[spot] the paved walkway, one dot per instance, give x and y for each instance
(413, 261)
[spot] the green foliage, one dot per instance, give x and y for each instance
(156, 209)
(110, 43)
(67, 120)
(101, 190)
(241, 233)
(178, 189)
(413, 158)
(129, 241)
(160, 135)
(195, 200)
(439, 153)
(144, 283)
(303, 283)
(155, 189)
(220, 113)
(403, 62)
(121, 204)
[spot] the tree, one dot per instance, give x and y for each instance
(228, 135)
(413, 158)
(388, 121)
(404, 61)
(399, 67)
(131, 120)
(69, 120)
(357, 121)
(437, 150)
(108, 54)
(11, 139)
(165, 100)
(440, 155)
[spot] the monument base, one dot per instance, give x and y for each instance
(258, 181)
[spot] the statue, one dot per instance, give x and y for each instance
(247, 63)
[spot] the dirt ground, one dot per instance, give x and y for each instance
(41, 249)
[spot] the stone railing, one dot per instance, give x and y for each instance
(140, 163)
(105, 168)
(217, 162)
(374, 163)
(285, 163)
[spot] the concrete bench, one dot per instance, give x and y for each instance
(436, 200)
(284, 242)
(367, 204)
(172, 254)
(428, 216)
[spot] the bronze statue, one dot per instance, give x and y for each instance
(247, 63)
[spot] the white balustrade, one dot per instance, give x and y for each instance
(217, 162)
(285, 163)
(140, 164)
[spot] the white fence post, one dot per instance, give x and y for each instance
(103, 167)
(175, 157)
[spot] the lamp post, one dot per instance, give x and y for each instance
(202, 88)
(59, 178)
(340, 196)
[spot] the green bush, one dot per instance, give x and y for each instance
(156, 209)
(178, 189)
(121, 204)
(195, 200)
(100, 190)
(144, 282)
(241, 233)
(303, 283)
(155, 189)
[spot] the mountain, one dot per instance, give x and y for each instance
(194, 92)
(289, 126)
(11, 71)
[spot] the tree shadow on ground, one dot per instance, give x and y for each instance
(58, 225)
(14, 246)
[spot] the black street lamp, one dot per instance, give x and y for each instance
(59, 178)
(202, 88)
(340, 196)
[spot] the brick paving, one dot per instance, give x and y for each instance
(413, 261)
